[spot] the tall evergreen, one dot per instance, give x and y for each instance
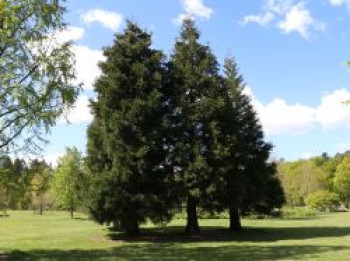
(194, 83)
(126, 151)
(250, 184)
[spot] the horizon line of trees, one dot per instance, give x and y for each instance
(174, 132)
(36, 185)
(321, 182)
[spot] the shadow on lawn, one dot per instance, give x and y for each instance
(176, 251)
(218, 234)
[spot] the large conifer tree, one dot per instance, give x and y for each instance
(195, 83)
(126, 152)
(250, 184)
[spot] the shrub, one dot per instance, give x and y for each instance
(298, 213)
(323, 200)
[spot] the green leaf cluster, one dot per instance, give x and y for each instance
(36, 72)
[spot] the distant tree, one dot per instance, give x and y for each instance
(40, 183)
(70, 181)
(342, 180)
(327, 167)
(6, 184)
(126, 152)
(36, 72)
(195, 84)
(20, 185)
(301, 178)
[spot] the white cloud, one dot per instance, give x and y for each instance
(332, 112)
(87, 65)
(194, 9)
(279, 7)
(263, 19)
(80, 113)
(340, 3)
(298, 19)
(287, 17)
(71, 33)
(279, 117)
(110, 20)
(272, 9)
(87, 59)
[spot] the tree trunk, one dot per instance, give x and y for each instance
(235, 221)
(192, 226)
(71, 211)
(41, 205)
(130, 227)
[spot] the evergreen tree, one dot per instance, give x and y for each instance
(126, 151)
(195, 85)
(249, 179)
(6, 184)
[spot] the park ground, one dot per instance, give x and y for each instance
(54, 236)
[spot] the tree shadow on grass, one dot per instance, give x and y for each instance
(218, 234)
(179, 252)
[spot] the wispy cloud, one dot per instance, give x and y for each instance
(287, 16)
(340, 3)
(194, 9)
(110, 20)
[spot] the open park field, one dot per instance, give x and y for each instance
(54, 236)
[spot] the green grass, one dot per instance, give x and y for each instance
(54, 236)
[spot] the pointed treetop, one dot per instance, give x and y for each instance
(189, 32)
(233, 77)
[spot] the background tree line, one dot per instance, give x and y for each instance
(38, 186)
(321, 182)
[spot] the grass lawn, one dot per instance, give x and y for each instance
(54, 236)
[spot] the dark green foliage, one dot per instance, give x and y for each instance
(194, 89)
(126, 152)
(177, 134)
(247, 177)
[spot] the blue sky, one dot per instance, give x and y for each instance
(292, 54)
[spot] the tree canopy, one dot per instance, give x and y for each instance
(36, 72)
(70, 182)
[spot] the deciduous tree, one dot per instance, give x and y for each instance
(70, 181)
(36, 72)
